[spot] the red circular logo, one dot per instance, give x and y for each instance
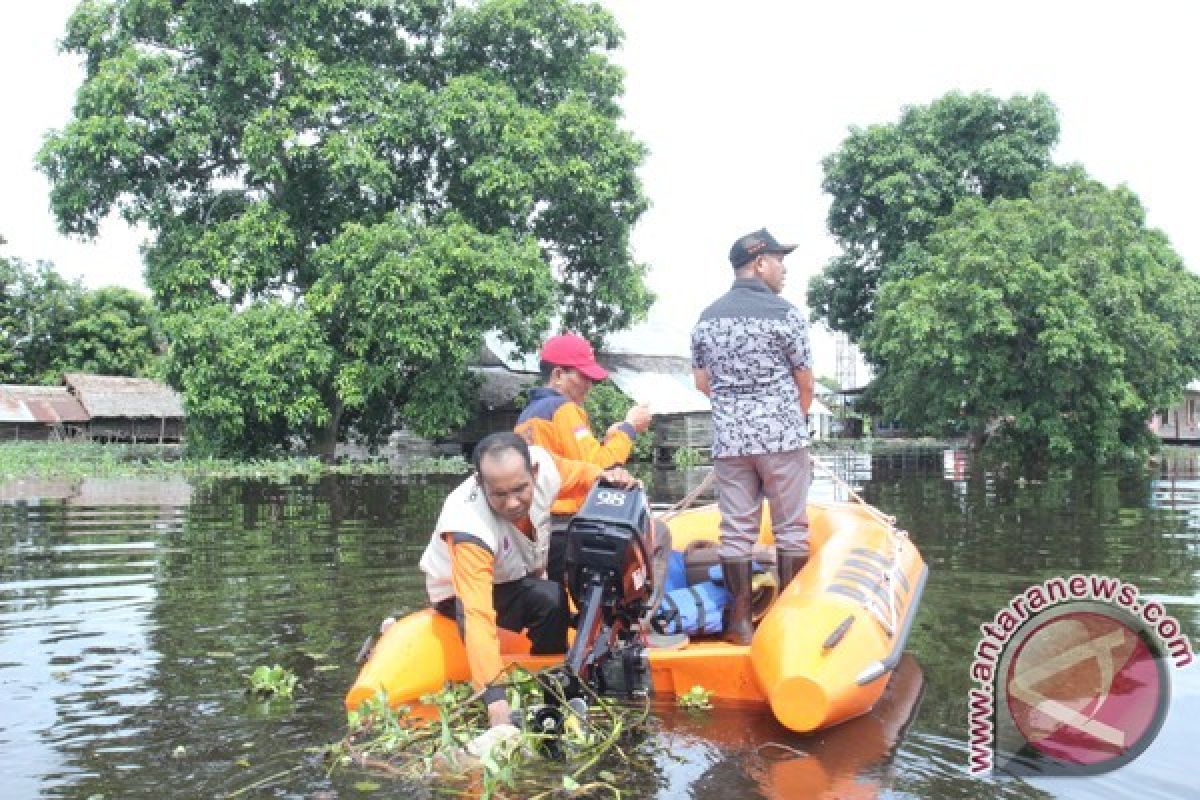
(1085, 688)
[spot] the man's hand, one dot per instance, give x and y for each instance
(620, 477)
(500, 733)
(639, 417)
(496, 739)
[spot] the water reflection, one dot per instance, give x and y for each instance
(130, 618)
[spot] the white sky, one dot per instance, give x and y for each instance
(739, 102)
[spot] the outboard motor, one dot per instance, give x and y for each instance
(610, 576)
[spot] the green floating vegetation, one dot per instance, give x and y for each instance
(267, 683)
(696, 698)
(78, 460)
(429, 749)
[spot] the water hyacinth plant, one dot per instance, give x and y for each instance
(267, 683)
(427, 745)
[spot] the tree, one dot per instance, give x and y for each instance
(8, 315)
(1059, 320)
(891, 184)
(113, 331)
(49, 326)
(372, 183)
(36, 306)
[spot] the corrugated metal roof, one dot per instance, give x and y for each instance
(49, 405)
(664, 392)
(113, 396)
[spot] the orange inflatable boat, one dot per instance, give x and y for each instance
(823, 653)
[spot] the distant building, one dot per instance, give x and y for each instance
(128, 409)
(682, 414)
(1180, 424)
(40, 413)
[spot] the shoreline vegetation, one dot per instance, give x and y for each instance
(77, 460)
(24, 461)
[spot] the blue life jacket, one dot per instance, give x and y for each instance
(676, 572)
(695, 609)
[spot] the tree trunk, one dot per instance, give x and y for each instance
(977, 438)
(325, 441)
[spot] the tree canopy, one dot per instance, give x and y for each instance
(993, 290)
(346, 194)
(891, 183)
(49, 325)
(1059, 320)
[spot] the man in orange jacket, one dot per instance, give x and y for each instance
(485, 562)
(555, 419)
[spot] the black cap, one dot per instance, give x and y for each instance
(752, 245)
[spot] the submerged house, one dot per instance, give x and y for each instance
(123, 409)
(1180, 424)
(40, 413)
(682, 414)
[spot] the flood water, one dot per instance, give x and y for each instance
(132, 612)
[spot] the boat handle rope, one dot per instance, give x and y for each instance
(887, 618)
(887, 520)
(690, 497)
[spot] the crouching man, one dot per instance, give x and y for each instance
(485, 565)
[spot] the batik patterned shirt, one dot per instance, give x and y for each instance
(749, 342)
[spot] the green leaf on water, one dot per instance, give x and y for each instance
(220, 654)
(243, 762)
(366, 786)
(328, 667)
(569, 783)
(696, 698)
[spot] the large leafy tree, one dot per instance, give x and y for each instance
(346, 194)
(113, 331)
(891, 183)
(36, 306)
(1059, 321)
(49, 325)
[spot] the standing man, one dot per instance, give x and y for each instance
(485, 563)
(751, 356)
(555, 419)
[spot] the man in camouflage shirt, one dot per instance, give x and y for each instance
(751, 356)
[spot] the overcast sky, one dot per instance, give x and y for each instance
(739, 102)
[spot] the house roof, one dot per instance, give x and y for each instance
(114, 396)
(498, 352)
(665, 392)
(499, 386)
(49, 405)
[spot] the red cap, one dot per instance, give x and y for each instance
(572, 350)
